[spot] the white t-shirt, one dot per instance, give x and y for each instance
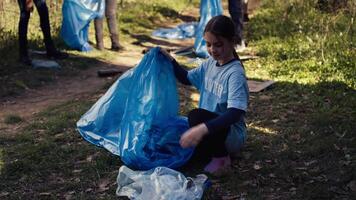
(223, 87)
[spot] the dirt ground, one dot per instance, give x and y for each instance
(64, 89)
(33, 101)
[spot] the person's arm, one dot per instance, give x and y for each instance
(231, 116)
(29, 5)
(194, 135)
(180, 73)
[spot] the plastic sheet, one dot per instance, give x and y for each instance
(137, 118)
(45, 64)
(182, 31)
(160, 183)
(77, 15)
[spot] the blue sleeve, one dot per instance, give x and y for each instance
(231, 116)
(180, 73)
(237, 91)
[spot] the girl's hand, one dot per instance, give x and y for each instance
(165, 52)
(193, 136)
(29, 5)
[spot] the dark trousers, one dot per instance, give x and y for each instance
(44, 22)
(237, 12)
(213, 144)
(110, 14)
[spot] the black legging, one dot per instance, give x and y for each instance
(213, 144)
(44, 23)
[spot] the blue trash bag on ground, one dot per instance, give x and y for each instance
(182, 31)
(208, 9)
(77, 15)
(159, 183)
(137, 118)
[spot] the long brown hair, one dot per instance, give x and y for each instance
(223, 26)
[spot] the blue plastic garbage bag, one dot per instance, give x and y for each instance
(208, 9)
(77, 15)
(160, 183)
(137, 118)
(182, 31)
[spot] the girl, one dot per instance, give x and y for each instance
(217, 127)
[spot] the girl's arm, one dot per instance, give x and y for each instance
(194, 135)
(231, 116)
(180, 73)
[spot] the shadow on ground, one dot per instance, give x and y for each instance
(300, 145)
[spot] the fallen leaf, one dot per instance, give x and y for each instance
(89, 158)
(336, 147)
(310, 162)
(103, 185)
(2, 194)
(59, 135)
(257, 166)
(265, 97)
(69, 195)
(89, 190)
(285, 147)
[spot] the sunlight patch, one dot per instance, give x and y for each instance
(195, 97)
(263, 129)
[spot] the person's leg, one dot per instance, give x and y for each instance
(44, 23)
(23, 26)
(110, 12)
(236, 13)
(42, 10)
(99, 35)
(213, 144)
(245, 11)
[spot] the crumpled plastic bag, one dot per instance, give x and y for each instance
(77, 15)
(137, 118)
(182, 31)
(160, 183)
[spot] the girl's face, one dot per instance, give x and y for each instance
(220, 48)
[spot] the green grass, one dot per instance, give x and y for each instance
(301, 43)
(301, 132)
(12, 119)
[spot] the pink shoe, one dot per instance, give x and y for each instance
(218, 165)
